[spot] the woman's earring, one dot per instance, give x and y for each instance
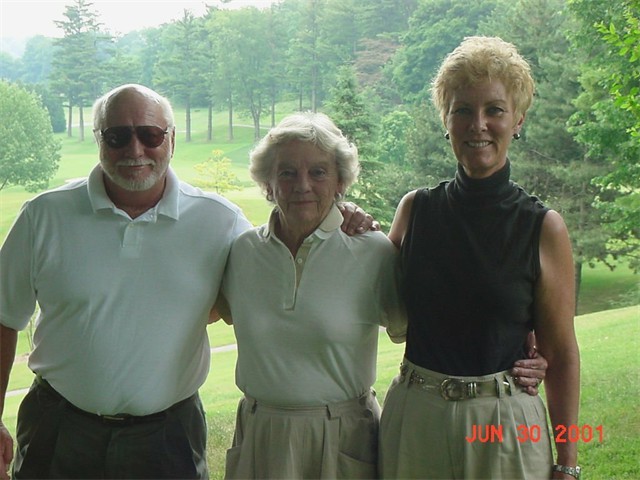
(447, 136)
(516, 136)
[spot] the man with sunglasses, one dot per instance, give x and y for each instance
(125, 266)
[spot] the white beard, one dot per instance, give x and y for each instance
(133, 184)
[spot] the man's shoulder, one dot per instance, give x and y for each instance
(208, 199)
(67, 192)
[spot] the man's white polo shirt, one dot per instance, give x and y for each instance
(124, 303)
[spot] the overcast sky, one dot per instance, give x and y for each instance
(26, 18)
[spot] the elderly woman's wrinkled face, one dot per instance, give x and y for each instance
(304, 185)
(481, 123)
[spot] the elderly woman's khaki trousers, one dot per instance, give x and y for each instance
(330, 441)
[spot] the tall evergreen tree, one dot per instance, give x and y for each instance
(78, 70)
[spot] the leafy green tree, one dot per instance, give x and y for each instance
(607, 120)
(275, 74)
(29, 155)
(215, 173)
(36, 59)
(144, 46)
(384, 17)
(52, 103)
(222, 71)
(348, 109)
(250, 60)
(243, 61)
(304, 56)
(428, 153)
(10, 67)
(435, 28)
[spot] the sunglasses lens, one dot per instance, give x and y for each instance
(117, 137)
(149, 136)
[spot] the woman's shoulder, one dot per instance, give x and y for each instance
(250, 236)
(369, 243)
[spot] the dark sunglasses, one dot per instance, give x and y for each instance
(118, 137)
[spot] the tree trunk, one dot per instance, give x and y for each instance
(255, 114)
(578, 280)
(81, 120)
(210, 123)
(69, 120)
(273, 111)
(188, 119)
(314, 86)
(230, 103)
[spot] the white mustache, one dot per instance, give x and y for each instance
(135, 163)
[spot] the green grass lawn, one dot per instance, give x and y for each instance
(609, 347)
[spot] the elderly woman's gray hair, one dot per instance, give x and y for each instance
(478, 59)
(102, 104)
(316, 128)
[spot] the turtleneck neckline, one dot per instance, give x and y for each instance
(481, 190)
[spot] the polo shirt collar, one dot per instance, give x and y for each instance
(330, 224)
(167, 206)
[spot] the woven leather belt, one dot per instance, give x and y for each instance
(455, 389)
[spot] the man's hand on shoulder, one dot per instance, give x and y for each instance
(356, 220)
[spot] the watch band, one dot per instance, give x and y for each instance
(573, 471)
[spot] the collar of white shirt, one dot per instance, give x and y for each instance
(167, 206)
(327, 227)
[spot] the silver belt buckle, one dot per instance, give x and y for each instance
(403, 373)
(453, 389)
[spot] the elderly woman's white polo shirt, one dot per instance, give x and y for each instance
(124, 303)
(307, 327)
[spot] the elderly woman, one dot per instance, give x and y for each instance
(307, 303)
(483, 264)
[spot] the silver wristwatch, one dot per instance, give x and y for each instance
(573, 471)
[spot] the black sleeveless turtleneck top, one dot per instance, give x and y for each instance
(470, 262)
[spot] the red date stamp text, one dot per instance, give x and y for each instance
(533, 433)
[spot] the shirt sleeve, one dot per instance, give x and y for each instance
(17, 292)
(394, 316)
(241, 225)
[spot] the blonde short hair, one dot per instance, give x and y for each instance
(483, 58)
(316, 128)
